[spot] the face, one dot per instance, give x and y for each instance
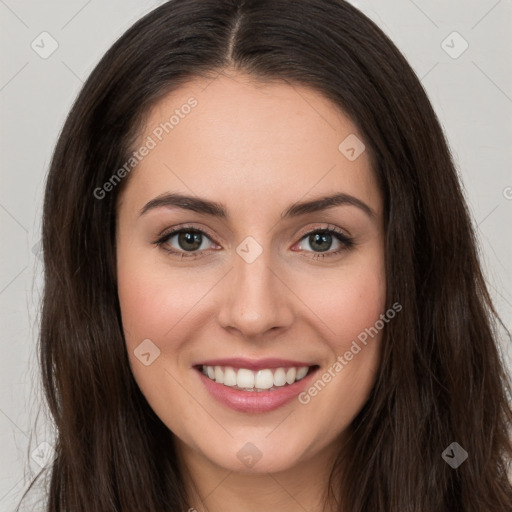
(251, 280)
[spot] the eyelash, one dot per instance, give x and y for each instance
(346, 242)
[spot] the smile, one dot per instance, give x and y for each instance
(248, 380)
(257, 390)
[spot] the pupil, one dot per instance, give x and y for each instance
(188, 238)
(319, 238)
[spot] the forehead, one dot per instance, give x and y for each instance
(247, 140)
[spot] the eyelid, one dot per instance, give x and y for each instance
(323, 227)
(183, 227)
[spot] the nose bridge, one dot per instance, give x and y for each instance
(256, 300)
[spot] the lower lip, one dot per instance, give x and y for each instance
(256, 401)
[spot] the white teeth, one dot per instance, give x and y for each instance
(291, 374)
(244, 378)
(219, 375)
(279, 377)
(264, 379)
(229, 377)
(254, 381)
(301, 373)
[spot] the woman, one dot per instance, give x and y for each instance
(262, 285)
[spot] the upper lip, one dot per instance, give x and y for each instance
(254, 364)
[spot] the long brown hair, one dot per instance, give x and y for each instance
(441, 379)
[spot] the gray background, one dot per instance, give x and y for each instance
(471, 93)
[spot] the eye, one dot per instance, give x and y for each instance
(192, 242)
(188, 239)
(321, 240)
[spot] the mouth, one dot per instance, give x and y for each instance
(255, 391)
(264, 379)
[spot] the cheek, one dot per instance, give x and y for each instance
(157, 308)
(154, 299)
(349, 306)
(350, 300)
(356, 303)
(166, 307)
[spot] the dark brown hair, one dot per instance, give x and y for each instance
(441, 378)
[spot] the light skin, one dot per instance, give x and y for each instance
(256, 148)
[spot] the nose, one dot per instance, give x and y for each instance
(256, 298)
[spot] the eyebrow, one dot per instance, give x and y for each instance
(214, 209)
